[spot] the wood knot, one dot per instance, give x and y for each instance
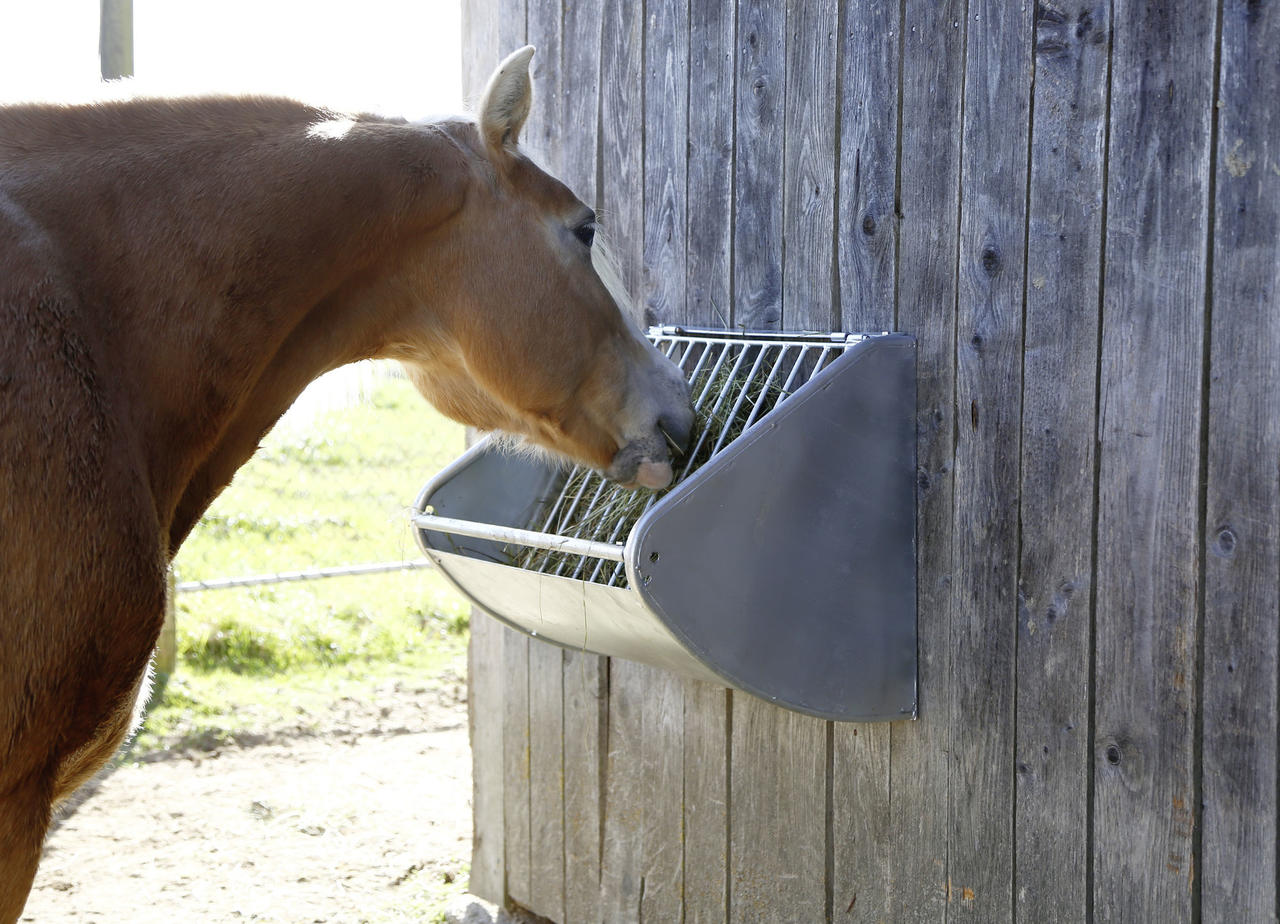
(1113, 754)
(868, 225)
(990, 260)
(1224, 545)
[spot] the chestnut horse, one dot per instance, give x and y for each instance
(172, 274)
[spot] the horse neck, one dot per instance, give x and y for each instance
(228, 252)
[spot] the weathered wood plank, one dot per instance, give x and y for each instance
(1242, 567)
(709, 217)
(621, 141)
(866, 239)
(777, 824)
(511, 27)
(666, 145)
(546, 781)
(580, 112)
(660, 793)
(485, 710)
(809, 168)
(515, 762)
(543, 134)
(989, 400)
(1060, 364)
(479, 48)
(929, 150)
(706, 803)
(758, 157)
(622, 863)
(1149, 436)
(586, 715)
(862, 863)
(868, 171)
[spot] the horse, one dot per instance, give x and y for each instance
(172, 274)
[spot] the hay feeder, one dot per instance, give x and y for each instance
(782, 561)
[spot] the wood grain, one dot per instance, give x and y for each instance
(759, 89)
(709, 223)
(1149, 433)
(666, 144)
(1059, 397)
(1241, 531)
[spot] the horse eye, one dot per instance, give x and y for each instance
(585, 232)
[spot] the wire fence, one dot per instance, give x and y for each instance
(310, 574)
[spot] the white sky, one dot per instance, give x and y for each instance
(399, 57)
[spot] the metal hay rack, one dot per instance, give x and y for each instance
(782, 560)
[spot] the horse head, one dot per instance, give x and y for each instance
(525, 336)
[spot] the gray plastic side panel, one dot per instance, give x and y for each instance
(487, 486)
(787, 564)
(570, 613)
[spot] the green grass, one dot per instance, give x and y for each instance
(334, 491)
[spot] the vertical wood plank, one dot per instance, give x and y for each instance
(989, 399)
(661, 796)
(809, 167)
(622, 139)
(543, 134)
(757, 165)
(1242, 565)
(1149, 436)
(580, 111)
(586, 715)
(485, 710)
(706, 803)
(546, 781)
(709, 207)
(866, 238)
(479, 47)
(929, 152)
(622, 864)
(862, 864)
(515, 761)
(666, 144)
(1064, 242)
(867, 233)
(778, 814)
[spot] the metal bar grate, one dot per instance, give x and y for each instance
(735, 380)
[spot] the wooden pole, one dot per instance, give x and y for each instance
(115, 39)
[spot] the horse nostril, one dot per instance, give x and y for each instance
(678, 432)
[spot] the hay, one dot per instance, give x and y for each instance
(599, 510)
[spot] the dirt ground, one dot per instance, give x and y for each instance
(364, 819)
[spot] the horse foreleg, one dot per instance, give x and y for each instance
(24, 818)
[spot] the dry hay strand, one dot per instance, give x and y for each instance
(596, 509)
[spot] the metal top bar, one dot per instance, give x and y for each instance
(709, 333)
(607, 550)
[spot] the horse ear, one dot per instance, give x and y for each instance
(506, 101)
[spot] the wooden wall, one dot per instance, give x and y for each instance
(1075, 209)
